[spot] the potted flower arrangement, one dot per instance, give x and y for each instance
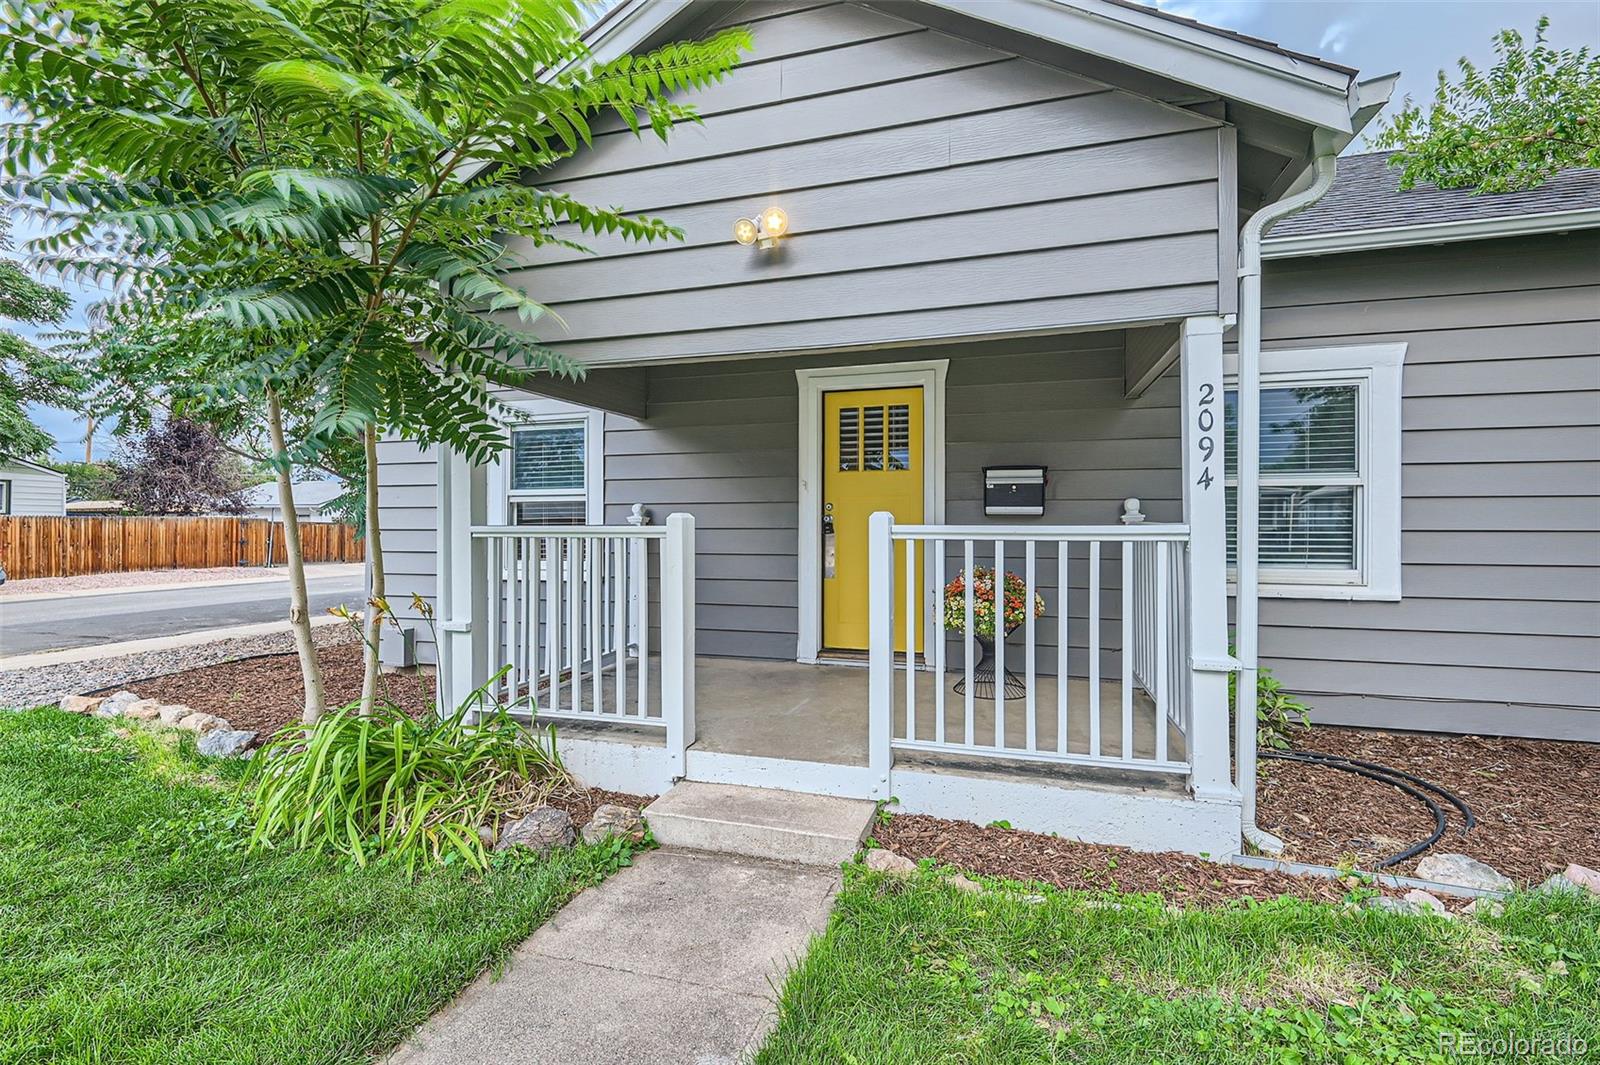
(1014, 599)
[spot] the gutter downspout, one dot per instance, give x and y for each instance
(1247, 606)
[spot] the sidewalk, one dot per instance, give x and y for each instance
(158, 580)
(675, 959)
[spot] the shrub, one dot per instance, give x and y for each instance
(1277, 710)
(390, 786)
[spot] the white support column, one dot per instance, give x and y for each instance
(1204, 510)
(880, 649)
(677, 639)
(463, 580)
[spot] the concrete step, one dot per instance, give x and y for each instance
(784, 826)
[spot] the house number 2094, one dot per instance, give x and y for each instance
(1206, 421)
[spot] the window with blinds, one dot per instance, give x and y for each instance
(1311, 476)
(548, 478)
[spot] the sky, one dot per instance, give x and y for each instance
(1415, 37)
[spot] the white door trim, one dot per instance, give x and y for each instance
(930, 376)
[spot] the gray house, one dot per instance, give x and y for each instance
(29, 488)
(958, 298)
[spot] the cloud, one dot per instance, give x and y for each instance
(1336, 38)
(1229, 14)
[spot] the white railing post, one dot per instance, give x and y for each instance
(463, 580)
(880, 654)
(677, 639)
(1200, 349)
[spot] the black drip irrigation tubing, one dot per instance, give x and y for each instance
(1414, 786)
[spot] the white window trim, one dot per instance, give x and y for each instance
(1379, 369)
(5, 497)
(594, 473)
(929, 375)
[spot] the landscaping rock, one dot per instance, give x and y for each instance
(1485, 907)
(486, 835)
(1584, 877)
(225, 742)
(143, 710)
(961, 881)
(202, 723)
(1393, 905)
(543, 830)
(1462, 870)
(1565, 881)
(81, 704)
(887, 861)
(173, 713)
(612, 820)
(115, 705)
(1425, 901)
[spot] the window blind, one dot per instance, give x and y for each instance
(1309, 438)
(547, 458)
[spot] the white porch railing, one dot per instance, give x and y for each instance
(1073, 691)
(1161, 626)
(573, 614)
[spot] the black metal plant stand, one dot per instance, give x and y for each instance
(983, 674)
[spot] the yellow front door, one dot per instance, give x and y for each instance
(871, 460)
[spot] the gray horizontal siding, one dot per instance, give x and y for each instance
(1499, 630)
(34, 491)
(936, 188)
(408, 478)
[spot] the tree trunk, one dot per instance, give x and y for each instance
(299, 605)
(376, 601)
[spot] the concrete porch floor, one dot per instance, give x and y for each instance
(818, 713)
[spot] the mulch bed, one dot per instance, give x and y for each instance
(1029, 856)
(1537, 802)
(263, 694)
(580, 803)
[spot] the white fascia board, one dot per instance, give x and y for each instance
(1352, 240)
(1238, 70)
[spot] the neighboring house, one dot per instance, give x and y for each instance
(310, 501)
(997, 321)
(28, 488)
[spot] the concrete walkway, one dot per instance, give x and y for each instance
(676, 959)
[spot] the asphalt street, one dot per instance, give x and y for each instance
(84, 621)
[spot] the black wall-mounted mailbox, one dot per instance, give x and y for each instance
(1013, 491)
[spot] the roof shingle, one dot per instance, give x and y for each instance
(1366, 195)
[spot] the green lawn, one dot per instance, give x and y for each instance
(134, 927)
(918, 971)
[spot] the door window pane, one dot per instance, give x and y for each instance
(900, 437)
(872, 451)
(849, 439)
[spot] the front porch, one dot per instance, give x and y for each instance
(819, 713)
(1110, 720)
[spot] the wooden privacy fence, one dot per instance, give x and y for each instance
(66, 547)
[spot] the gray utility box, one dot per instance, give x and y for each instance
(1013, 491)
(397, 647)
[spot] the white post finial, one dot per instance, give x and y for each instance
(638, 516)
(1131, 515)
